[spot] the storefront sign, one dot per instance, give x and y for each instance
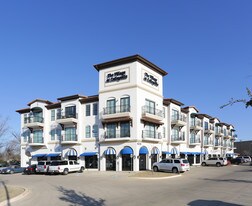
(116, 77)
(150, 79)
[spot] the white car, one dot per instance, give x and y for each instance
(218, 161)
(173, 165)
(246, 158)
(64, 167)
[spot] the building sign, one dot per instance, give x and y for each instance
(116, 76)
(150, 79)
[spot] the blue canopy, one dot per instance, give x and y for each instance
(165, 152)
(88, 154)
(38, 155)
(110, 151)
(126, 151)
(53, 154)
(154, 151)
(143, 150)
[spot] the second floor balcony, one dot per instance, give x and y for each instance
(153, 115)
(69, 139)
(115, 135)
(36, 141)
(67, 118)
(209, 129)
(207, 142)
(121, 111)
(178, 139)
(217, 144)
(196, 125)
(151, 136)
(194, 140)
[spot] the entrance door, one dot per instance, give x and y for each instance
(111, 162)
(142, 162)
(127, 163)
(153, 159)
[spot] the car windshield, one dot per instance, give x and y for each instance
(59, 163)
(41, 163)
(185, 161)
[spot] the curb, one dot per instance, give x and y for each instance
(157, 178)
(22, 195)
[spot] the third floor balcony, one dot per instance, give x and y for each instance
(178, 120)
(151, 136)
(116, 112)
(34, 121)
(194, 140)
(207, 142)
(67, 118)
(196, 125)
(69, 139)
(178, 139)
(152, 115)
(115, 135)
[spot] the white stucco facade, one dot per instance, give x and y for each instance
(127, 126)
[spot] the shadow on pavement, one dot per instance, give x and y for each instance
(74, 198)
(210, 203)
(229, 180)
(6, 193)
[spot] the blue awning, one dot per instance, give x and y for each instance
(88, 154)
(155, 150)
(186, 153)
(38, 155)
(126, 151)
(53, 154)
(110, 151)
(165, 152)
(143, 150)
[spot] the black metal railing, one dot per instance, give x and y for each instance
(116, 109)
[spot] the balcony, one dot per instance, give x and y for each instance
(209, 130)
(151, 136)
(175, 139)
(36, 142)
(34, 122)
(196, 125)
(118, 113)
(69, 139)
(217, 144)
(178, 120)
(208, 143)
(67, 118)
(194, 141)
(116, 135)
(152, 115)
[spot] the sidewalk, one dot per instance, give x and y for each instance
(7, 193)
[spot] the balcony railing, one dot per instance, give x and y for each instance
(175, 138)
(65, 115)
(209, 127)
(179, 117)
(208, 142)
(36, 140)
(217, 144)
(153, 111)
(117, 134)
(194, 140)
(33, 119)
(197, 123)
(116, 109)
(151, 134)
(69, 138)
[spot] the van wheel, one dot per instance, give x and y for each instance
(65, 172)
(203, 164)
(174, 170)
(155, 169)
(218, 164)
(81, 169)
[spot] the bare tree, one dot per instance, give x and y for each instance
(12, 147)
(248, 103)
(3, 130)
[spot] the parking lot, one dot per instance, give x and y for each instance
(230, 185)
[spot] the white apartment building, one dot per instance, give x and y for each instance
(128, 126)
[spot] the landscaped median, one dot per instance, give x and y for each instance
(154, 175)
(9, 193)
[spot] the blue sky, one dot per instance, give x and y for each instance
(48, 49)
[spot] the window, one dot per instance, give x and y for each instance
(25, 118)
(26, 135)
(125, 104)
(37, 136)
(55, 134)
(91, 161)
(164, 111)
(95, 130)
(111, 108)
(150, 130)
(163, 132)
(70, 112)
(111, 130)
(206, 125)
(150, 106)
(95, 109)
(53, 115)
(88, 134)
(175, 114)
(88, 110)
(125, 129)
(70, 134)
(175, 134)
